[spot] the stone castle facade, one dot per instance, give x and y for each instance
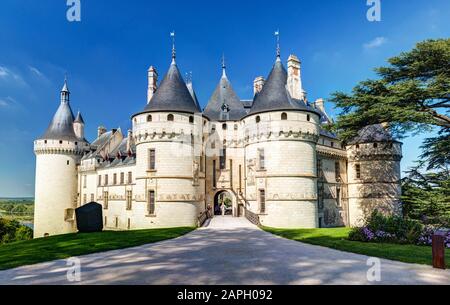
(270, 157)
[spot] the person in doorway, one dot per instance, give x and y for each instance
(223, 208)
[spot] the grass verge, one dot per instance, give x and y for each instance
(69, 245)
(336, 238)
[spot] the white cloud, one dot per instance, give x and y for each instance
(36, 71)
(6, 102)
(7, 75)
(375, 43)
(4, 72)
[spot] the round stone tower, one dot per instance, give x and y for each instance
(58, 153)
(373, 173)
(280, 135)
(168, 136)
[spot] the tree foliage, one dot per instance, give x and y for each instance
(412, 94)
(11, 230)
(426, 196)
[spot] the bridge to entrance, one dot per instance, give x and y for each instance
(228, 222)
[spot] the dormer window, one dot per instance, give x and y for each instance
(284, 116)
(258, 119)
(170, 118)
(224, 126)
(191, 119)
(375, 145)
(149, 118)
(308, 118)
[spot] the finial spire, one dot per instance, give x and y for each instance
(224, 74)
(65, 86)
(277, 34)
(174, 52)
(65, 93)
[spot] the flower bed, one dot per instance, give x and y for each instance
(395, 229)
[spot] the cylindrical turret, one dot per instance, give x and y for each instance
(58, 153)
(281, 185)
(167, 161)
(280, 140)
(373, 174)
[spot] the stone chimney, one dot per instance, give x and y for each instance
(129, 141)
(320, 104)
(101, 130)
(258, 84)
(294, 81)
(152, 83)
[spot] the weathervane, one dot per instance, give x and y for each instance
(174, 53)
(223, 65)
(277, 34)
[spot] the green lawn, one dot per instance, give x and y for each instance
(336, 238)
(65, 246)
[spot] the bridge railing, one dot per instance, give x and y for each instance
(202, 218)
(252, 217)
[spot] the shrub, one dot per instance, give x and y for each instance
(23, 233)
(395, 229)
(426, 238)
(11, 230)
(357, 234)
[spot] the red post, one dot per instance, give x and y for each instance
(438, 250)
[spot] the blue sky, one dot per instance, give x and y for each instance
(107, 54)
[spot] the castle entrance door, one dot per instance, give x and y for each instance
(225, 198)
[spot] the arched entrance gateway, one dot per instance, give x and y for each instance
(226, 198)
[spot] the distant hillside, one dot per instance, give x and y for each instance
(17, 199)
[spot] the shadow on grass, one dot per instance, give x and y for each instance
(336, 238)
(69, 245)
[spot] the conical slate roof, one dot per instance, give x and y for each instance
(172, 94)
(224, 97)
(79, 118)
(274, 95)
(372, 134)
(61, 127)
